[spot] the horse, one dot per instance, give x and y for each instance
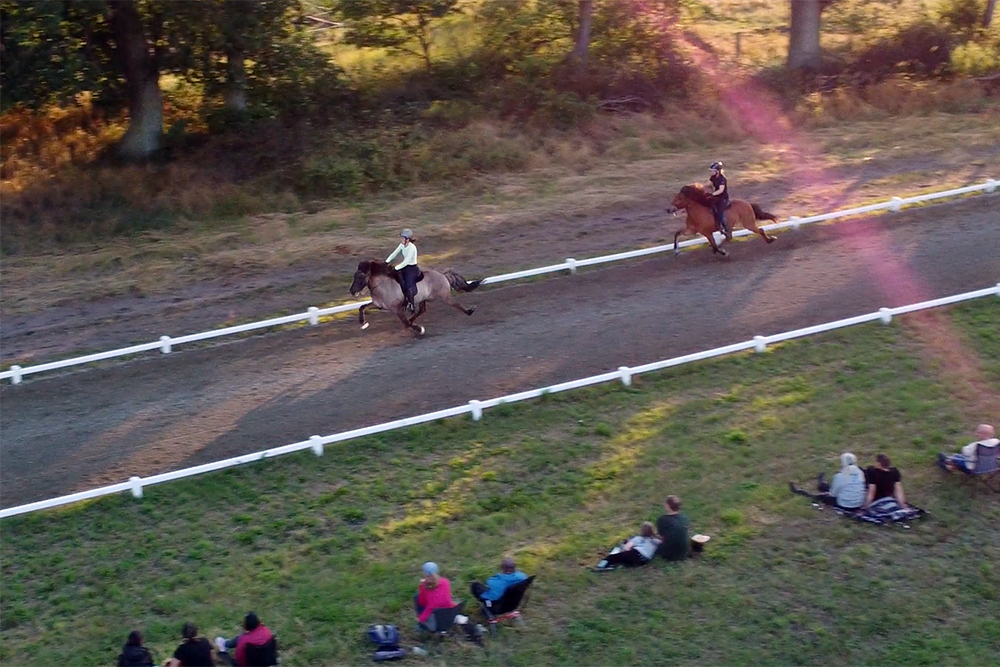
(700, 220)
(380, 279)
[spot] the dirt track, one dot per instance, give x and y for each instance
(101, 424)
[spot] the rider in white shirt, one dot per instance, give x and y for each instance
(407, 267)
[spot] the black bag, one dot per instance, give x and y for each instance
(386, 638)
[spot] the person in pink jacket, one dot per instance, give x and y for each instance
(434, 593)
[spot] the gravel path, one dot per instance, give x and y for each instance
(100, 424)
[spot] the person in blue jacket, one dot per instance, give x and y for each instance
(497, 585)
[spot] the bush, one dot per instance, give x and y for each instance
(922, 48)
(975, 59)
(331, 175)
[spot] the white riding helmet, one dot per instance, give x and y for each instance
(407, 233)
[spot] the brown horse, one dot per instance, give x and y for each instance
(700, 220)
(381, 281)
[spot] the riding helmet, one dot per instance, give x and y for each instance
(716, 165)
(406, 234)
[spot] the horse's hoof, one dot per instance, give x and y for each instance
(676, 252)
(365, 325)
(471, 310)
(420, 330)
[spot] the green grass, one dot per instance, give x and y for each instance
(322, 547)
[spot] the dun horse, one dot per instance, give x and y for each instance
(380, 279)
(700, 220)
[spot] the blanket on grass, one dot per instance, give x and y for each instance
(884, 512)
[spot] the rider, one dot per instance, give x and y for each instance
(720, 198)
(408, 269)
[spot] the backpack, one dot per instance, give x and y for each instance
(386, 639)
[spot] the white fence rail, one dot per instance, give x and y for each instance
(475, 408)
(166, 343)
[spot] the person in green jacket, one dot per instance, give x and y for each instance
(673, 529)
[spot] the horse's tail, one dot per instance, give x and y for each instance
(761, 214)
(458, 282)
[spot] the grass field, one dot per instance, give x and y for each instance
(322, 547)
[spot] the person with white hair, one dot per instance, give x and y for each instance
(846, 491)
(966, 459)
(434, 593)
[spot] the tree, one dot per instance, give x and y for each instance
(141, 68)
(988, 16)
(582, 46)
(395, 24)
(803, 42)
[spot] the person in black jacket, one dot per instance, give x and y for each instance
(134, 654)
(720, 197)
(194, 651)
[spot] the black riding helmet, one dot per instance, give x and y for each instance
(716, 165)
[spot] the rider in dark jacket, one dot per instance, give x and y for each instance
(720, 198)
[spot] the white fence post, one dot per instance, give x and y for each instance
(626, 375)
(15, 377)
(477, 410)
(317, 444)
(313, 315)
(998, 294)
(760, 344)
(136, 486)
(886, 315)
(796, 224)
(897, 203)
(571, 264)
(991, 185)
(165, 344)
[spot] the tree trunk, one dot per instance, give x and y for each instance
(582, 46)
(235, 94)
(803, 43)
(988, 16)
(142, 80)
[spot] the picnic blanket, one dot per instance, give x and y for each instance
(885, 511)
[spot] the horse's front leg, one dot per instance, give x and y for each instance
(361, 316)
(421, 309)
(715, 247)
(677, 250)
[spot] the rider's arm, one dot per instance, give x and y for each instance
(719, 190)
(395, 252)
(409, 256)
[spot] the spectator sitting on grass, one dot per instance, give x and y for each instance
(497, 585)
(884, 481)
(634, 552)
(434, 593)
(134, 654)
(966, 459)
(256, 634)
(194, 651)
(673, 529)
(848, 489)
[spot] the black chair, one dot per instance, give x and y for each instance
(262, 655)
(444, 619)
(508, 607)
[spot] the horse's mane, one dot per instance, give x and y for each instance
(697, 194)
(376, 267)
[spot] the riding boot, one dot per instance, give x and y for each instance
(725, 227)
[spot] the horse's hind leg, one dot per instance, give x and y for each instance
(457, 306)
(752, 226)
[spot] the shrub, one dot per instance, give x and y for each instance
(922, 48)
(975, 59)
